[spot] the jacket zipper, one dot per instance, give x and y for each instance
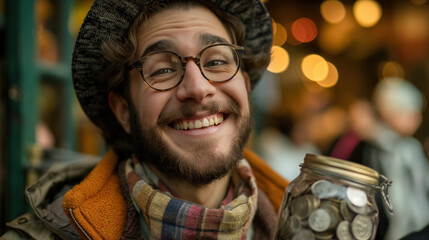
(78, 225)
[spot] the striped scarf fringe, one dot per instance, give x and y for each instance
(171, 218)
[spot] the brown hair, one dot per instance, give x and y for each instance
(121, 53)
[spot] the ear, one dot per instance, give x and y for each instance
(119, 107)
(248, 85)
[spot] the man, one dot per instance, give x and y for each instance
(168, 83)
(382, 138)
(402, 159)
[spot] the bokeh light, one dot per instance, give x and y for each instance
(332, 77)
(279, 60)
(419, 2)
(312, 86)
(411, 24)
(273, 23)
(391, 69)
(304, 30)
(367, 12)
(335, 38)
(314, 67)
(333, 11)
(280, 35)
(80, 9)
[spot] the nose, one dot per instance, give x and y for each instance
(194, 87)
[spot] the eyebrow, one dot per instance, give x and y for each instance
(168, 45)
(207, 39)
(162, 45)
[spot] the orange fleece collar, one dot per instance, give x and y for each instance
(96, 207)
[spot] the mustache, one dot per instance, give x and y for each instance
(189, 109)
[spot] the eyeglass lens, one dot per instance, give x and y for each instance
(164, 70)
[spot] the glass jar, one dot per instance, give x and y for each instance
(332, 199)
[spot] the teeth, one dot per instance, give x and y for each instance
(197, 124)
(206, 122)
(216, 120)
(219, 120)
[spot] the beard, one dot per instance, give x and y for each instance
(203, 167)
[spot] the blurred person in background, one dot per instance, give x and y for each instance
(403, 160)
(381, 137)
(354, 144)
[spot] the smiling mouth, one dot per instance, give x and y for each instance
(205, 122)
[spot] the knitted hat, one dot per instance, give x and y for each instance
(111, 19)
(397, 95)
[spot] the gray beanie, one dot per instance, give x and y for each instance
(397, 95)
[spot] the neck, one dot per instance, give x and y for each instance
(210, 195)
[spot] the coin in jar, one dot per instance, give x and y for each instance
(292, 226)
(362, 227)
(332, 207)
(302, 206)
(356, 196)
(333, 202)
(343, 231)
(304, 234)
(324, 189)
(346, 212)
(359, 210)
(319, 220)
(327, 235)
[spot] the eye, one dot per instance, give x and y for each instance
(216, 62)
(160, 66)
(162, 71)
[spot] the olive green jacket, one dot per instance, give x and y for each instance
(49, 221)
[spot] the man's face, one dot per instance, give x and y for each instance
(204, 153)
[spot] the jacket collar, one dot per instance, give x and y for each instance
(46, 195)
(83, 202)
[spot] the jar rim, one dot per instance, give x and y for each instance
(342, 168)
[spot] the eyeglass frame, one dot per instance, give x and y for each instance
(138, 64)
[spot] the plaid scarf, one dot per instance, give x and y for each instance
(168, 217)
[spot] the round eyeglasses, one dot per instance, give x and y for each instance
(164, 70)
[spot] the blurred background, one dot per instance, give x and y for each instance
(327, 55)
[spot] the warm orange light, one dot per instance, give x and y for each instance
(314, 67)
(312, 86)
(411, 24)
(367, 12)
(391, 69)
(333, 11)
(279, 60)
(332, 77)
(419, 2)
(335, 38)
(80, 9)
(280, 35)
(304, 30)
(273, 23)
